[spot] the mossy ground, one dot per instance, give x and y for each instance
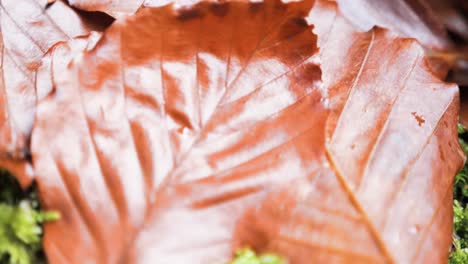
(459, 254)
(20, 223)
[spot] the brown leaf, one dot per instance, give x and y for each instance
(440, 25)
(451, 13)
(188, 133)
(410, 18)
(28, 31)
(123, 8)
(115, 8)
(407, 155)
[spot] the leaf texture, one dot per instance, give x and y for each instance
(201, 130)
(28, 30)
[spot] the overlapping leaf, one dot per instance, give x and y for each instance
(123, 8)
(115, 8)
(441, 26)
(29, 29)
(201, 130)
(410, 18)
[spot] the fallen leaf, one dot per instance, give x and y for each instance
(115, 8)
(441, 26)
(406, 164)
(409, 18)
(186, 134)
(28, 30)
(124, 8)
(57, 60)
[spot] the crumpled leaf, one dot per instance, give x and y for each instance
(202, 130)
(28, 30)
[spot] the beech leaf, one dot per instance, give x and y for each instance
(409, 18)
(28, 30)
(186, 134)
(115, 8)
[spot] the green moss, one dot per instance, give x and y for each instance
(459, 254)
(248, 256)
(20, 223)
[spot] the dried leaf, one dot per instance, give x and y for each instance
(399, 149)
(28, 30)
(115, 8)
(429, 21)
(123, 8)
(202, 130)
(411, 18)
